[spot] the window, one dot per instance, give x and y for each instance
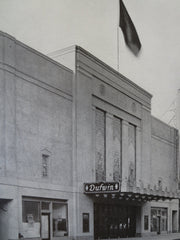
(59, 219)
(164, 219)
(158, 219)
(39, 214)
(45, 206)
(45, 163)
(85, 222)
(160, 184)
(31, 211)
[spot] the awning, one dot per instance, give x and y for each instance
(112, 190)
(130, 196)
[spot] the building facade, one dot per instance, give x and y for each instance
(81, 155)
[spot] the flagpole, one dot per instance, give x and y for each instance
(118, 14)
(118, 48)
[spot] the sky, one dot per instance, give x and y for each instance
(50, 25)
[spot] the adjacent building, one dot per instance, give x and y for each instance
(81, 155)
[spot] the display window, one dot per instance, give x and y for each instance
(44, 218)
(159, 218)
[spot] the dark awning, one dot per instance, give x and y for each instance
(112, 190)
(130, 196)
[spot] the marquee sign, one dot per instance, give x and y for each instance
(101, 187)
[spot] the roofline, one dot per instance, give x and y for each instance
(35, 51)
(79, 49)
(110, 69)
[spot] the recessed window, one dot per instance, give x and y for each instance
(45, 163)
(85, 222)
(160, 183)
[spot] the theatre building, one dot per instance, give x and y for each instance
(81, 155)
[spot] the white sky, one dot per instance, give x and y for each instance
(49, 25)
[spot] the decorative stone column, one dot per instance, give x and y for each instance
(138, 157)
(125, 162)
(109, 147)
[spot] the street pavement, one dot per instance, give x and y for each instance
(171, 236)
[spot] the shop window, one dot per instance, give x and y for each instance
(39, 214)
(31, 211)
(85, 222)
(164, 220)
(153, 220)
(159, 219)
(59, 220)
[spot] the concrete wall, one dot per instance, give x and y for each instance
(98, 86)
(46, 109)
(36, 114)
(36, 119)
(119, 97)
(164, 159)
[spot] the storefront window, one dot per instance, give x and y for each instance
(164, 219)
(31, 219)
(31, 211)
(153, 220)
(59, 219)
(158, 219)
(38, 215)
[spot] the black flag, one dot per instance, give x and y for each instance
(129, 31)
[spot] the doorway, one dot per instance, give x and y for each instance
(45, 226)
(114, 221)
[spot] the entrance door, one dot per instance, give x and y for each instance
(45, 226)
(114, 221)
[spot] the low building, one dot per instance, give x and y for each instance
(81, 155)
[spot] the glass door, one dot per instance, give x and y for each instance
(45, 226)
(114, 221)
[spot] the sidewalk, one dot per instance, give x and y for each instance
(171, 236)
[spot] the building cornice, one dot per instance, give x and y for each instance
(87, 62)
(111, 70)
(3, 34)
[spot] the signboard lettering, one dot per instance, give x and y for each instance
(102, 187)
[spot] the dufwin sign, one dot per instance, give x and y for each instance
(102, 187)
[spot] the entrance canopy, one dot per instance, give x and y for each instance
(112, 190)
